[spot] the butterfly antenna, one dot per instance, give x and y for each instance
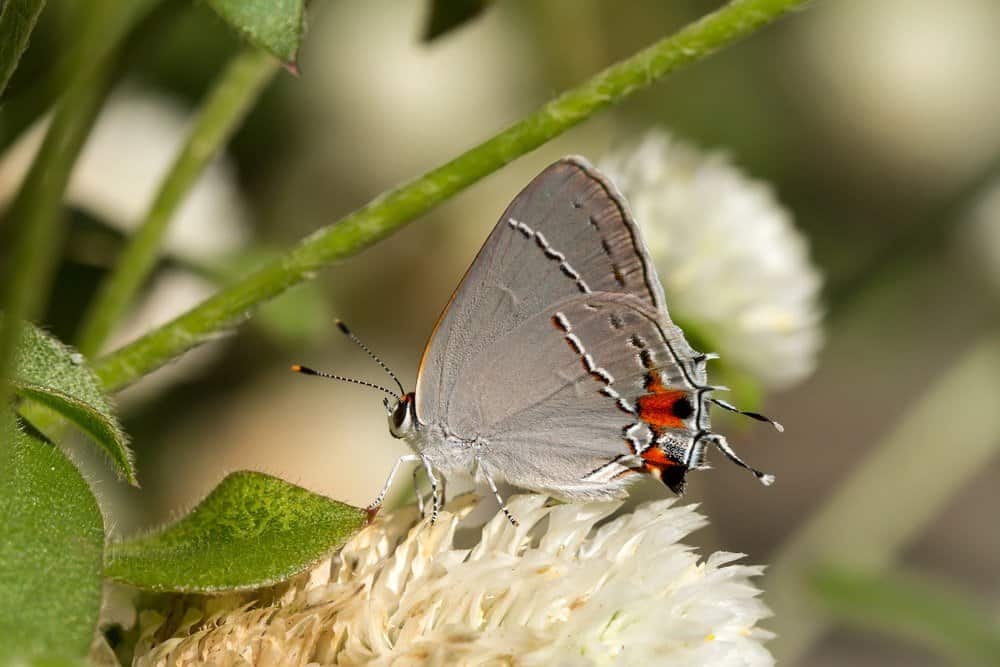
(305, 370)
(752, 415)
(357, 341)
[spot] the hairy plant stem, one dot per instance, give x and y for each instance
(395, 208)
(232, 96)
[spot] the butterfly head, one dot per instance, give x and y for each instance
(402, 416)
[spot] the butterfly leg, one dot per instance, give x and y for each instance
(417, 493)
(406, 458)
(496, 492)
(435, 495)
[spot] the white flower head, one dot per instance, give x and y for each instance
(560, 589)
(728, 254)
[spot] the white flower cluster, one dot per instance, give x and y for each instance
(729, 256)
(562, 588)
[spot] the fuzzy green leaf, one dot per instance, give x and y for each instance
(51, 548)
(252, 530)
(273, 25)
(56, 376)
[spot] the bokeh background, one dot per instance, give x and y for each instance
(877, 125)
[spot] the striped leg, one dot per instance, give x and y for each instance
(496, 492)
(435, 496)
(417, 493)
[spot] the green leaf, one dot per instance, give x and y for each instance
(446, 15)
(252, 530)
(52, 374)
(50, 552)
(922, 610)
(274, 25)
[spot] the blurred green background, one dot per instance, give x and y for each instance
(878, 125)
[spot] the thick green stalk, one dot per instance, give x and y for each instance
(227, 104)
(395, 208)
(17, 20)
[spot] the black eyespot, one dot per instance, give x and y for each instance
(682, 408)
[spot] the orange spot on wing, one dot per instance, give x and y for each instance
(657, 408)
(655, 461)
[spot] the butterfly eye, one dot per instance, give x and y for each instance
(400, 414)
(388, 406)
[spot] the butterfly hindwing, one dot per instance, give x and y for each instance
(578, 396)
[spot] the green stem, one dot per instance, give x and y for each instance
(891, 496)
(395, 208)
(227, 104)
(17, 20)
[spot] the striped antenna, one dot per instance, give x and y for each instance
(347, 332)
(305, 370)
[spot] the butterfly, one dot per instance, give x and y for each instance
(555, 366)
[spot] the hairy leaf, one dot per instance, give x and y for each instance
(51, 547)
(274, 25)
(252, 530)
(56, 376)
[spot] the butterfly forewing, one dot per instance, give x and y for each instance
(567, 234)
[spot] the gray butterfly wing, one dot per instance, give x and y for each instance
(568, 233)
(577, 397)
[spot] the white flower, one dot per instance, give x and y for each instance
(729, 257)
(557, 590)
